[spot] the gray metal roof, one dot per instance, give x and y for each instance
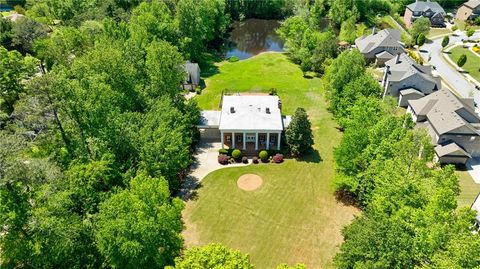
(444, 112)
(472, 4)
(422, 6)
(192, 71)
(451, 149)
(411, 91)
(209, 119)
(383, 38)
(402, 67)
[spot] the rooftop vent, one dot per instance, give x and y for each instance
(232, 109)
(267, 110)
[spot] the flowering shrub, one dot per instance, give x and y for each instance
(255, 160)
(222, 159)
(244, 159)
(278, 158)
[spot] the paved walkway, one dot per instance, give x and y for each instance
(205, 162)
(432, 52)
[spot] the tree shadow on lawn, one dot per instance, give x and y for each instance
(346, 198)
(189, 189)
(313, 156)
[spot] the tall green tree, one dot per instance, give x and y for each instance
(420, 26)
(25, 31)
(140, 227)
(343, 10)
(14, 69)
(299, 133)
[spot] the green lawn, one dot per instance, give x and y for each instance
(462, 25)
(468, 189)
(294, 217)
(438, 31)
(472, 66)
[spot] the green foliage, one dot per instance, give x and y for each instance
(420, 39)
(343, 10)
(13, 70)
(5, 32)
(277, 9)
(462, 60)
(24, 33)
(236, 154)
(298, 134)
(347, 31)
(233, 59)
(133, 225)
(454, 28)
(445, 41)
(214, 256)
(223, 151)
(470, 32)
(263, 155)
(343, 70)
(420, 26)
(296, 266)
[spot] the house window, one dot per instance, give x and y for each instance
(229, 138)
(250, 138)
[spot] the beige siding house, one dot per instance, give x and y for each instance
(247, 122)
(468, 11)
(426, 9)
(406, 79)
(381, 46)
(452, 123)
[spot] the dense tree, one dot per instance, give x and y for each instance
(5, 32)
(274, 9)
(24, 33)
(470, 32)
(14, 69)
(213, 256)
(348, 66)
(140, 227)
(299, 133)
(343, 10)
(348, 31)
(420, 39)
(420, 26)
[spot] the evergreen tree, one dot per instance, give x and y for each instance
(299, 133)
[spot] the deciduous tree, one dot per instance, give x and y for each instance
(213, 256)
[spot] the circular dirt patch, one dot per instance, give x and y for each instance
(249, 182)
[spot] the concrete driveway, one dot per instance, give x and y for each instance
(432, 53)
(205, 162)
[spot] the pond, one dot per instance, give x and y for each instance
(253, 36)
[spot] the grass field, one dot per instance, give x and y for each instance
(472, 66)
(468, 189)
(438, 31)
(462, 25)
(294, 217)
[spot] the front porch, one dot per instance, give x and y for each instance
(251, 141)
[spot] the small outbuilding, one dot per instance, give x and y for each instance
(192, 76)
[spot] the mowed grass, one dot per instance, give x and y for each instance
(438, 31)
(472, 66)
(294, 217)
(468, 189)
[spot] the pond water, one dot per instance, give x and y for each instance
(253, 36)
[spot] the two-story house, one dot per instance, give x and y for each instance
(468, 11)
(408, 80)
(452, 123)
(380, 47)
(427, 9)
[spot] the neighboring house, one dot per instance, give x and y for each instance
(427, 9)
(14, 17)
(380, 47)
(247, 122)
(192, 76)
(408, 80)
(468, 11)
(452, 123)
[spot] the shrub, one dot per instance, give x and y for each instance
(278, 158)
(421, 39)
(233, 59)
(255, 160)
(454, 28)
(232, 160)
(244, 159)
(263, 155)
(470, 32)
(222, 159)
(462, 60)
(445, 41)
(236, 153)
(272, 91)
(198, 90)
(223, 151)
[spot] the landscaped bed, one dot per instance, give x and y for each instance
(294, 216)
(472, 66)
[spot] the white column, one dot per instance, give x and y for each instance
(233, 140)
(221, 137)
(256, 141)
(268, 140)
(278, 141)
(244, 143)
